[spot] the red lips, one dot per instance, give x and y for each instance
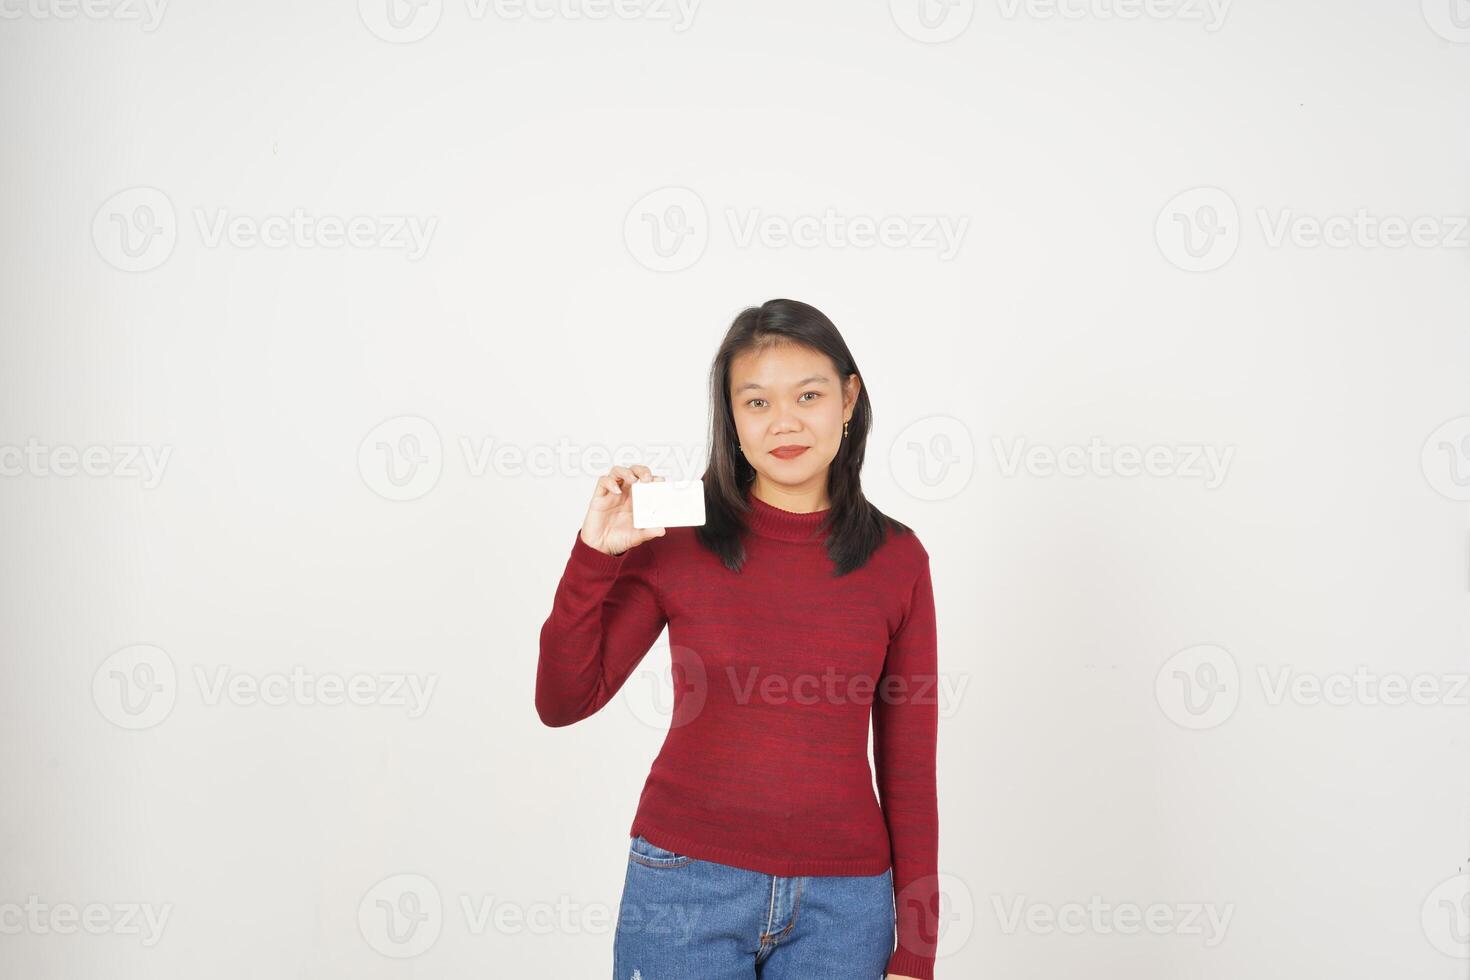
(789, 452)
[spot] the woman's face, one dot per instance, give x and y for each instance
(790, 396)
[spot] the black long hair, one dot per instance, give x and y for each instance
(854, 528)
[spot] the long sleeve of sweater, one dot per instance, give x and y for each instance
(605, 617)
(905, 731)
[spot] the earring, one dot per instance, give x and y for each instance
(844, 430)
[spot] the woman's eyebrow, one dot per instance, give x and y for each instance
(819, 379)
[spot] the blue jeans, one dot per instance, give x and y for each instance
(682, 918)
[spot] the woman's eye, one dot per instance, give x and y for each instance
(757, 402)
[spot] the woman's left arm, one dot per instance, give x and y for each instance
(905, 736)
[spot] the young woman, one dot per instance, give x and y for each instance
(795, 613)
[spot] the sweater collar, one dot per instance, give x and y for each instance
(770, 521)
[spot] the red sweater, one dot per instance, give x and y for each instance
(777, 669)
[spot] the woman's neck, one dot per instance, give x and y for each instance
(774, 521)
(797, 500)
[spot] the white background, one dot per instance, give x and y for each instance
(542, 313)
